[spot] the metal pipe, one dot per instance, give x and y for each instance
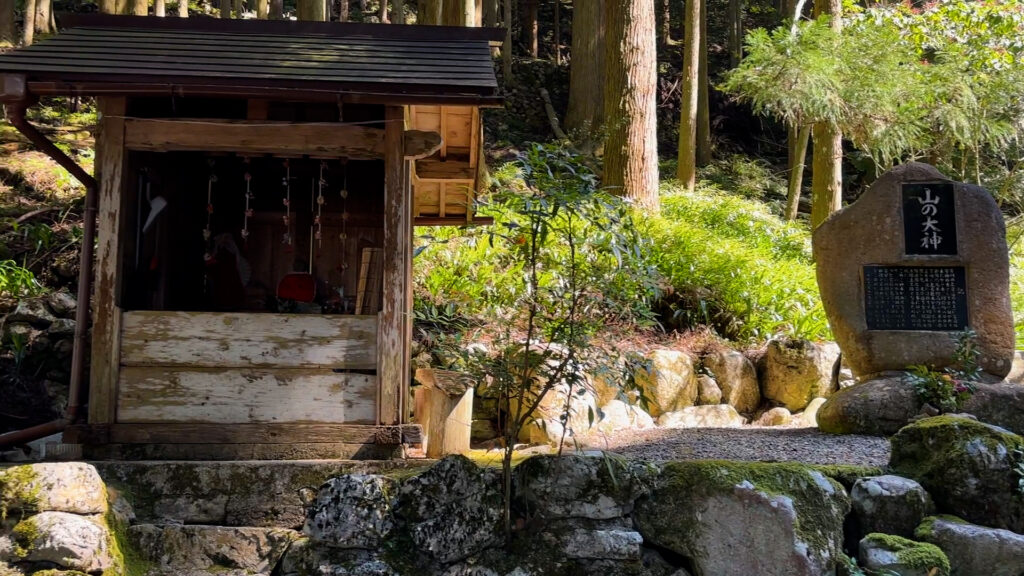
(16, 116)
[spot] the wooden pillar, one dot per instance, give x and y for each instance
(396, 313)
(106, 328)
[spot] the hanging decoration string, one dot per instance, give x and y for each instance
(287, 200)
(344, 213)
(320, 206)
(248, 197)
(207, 232)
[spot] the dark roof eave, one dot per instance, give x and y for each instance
(297, 94)
(287, 27)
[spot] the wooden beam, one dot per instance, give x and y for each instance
(433, 169)
(258, 137)
(393, 344)
(106, 328)
(241, 396)
(287, 433)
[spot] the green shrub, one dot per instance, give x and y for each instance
(17, 281)
(479, 271)
(742, 269)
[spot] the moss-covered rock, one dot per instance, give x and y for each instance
(905, 557)
(63, 539)
(735, 518)
(968, 467)
(974, 550)
(73, 487)
(889, 505)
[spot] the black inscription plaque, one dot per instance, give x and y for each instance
(930, 298)
(929, 218)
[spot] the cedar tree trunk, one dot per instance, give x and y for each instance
(631, 145)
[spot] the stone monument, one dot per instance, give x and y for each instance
(915, 260)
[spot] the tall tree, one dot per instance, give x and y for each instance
(429, 12)
(557, 33)
(528, 27)
(29, 29)
(382, 13)
(665, 23)
(139, 7)
(735, 32)
(122, 7)
(506, 55)
(160, 8)
(398, 11)
(225, 8)
(313, 10)
(631, 145)
(276, 9)
(343, 10)
(44, 14)
(586, 70)
(703, 104)
(8, 34)
(490, 13)
(827, 157)
(182, 8)
(687, 159)
(459, 13)
(262, 9)
(108, 7)
(237, 6)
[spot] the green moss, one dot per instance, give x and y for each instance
(24, 535)
(847, 474)
(55, 572)
(911, 554)
(930, 449)
(18, 490)
(801, 483)
(127, 560)
(926, 530)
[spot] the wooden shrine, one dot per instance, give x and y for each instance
(257, 186)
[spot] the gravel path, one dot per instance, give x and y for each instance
(807, 445)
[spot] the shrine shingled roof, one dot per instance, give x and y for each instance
(136, 55)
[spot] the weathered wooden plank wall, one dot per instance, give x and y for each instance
(229, 396)
(106, 330)
(240, 340)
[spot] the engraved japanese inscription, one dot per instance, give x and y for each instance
(929, 218)
(931, 298)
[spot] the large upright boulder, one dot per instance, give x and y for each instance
(738, 519)
(668, 381)
(737, 378)
(794, 372)
(918, 230)
(969, 468)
